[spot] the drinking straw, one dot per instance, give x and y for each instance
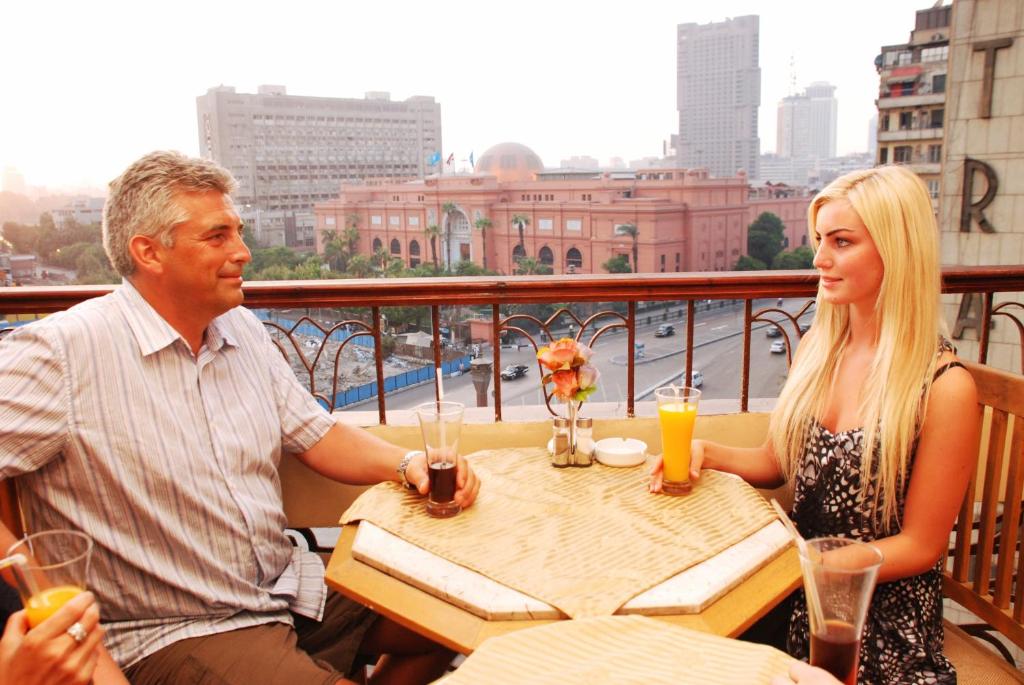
(22, 578)
(801, 545)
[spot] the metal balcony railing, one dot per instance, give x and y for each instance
(377, 294)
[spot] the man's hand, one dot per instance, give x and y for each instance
(466, 482)
(801, 673)
(47, 653)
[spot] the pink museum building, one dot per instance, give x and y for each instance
(685, 219)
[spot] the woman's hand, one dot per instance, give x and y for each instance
(696, 462)
(801, 673)
(47, 653)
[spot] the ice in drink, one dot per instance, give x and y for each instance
(45, 603)
(837, 650)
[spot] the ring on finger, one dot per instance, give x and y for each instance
(77, 632)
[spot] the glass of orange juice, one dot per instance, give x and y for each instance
(677, 412)
(52, 568)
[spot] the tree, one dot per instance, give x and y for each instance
(765, 237)
(359, 266)
(467, 268)
(521, 221)
(800, 258)
(334, 250)
(432, 232)
(530, 266)
(483, 223)
(619, 264)
(447, 209)
(632, 231)
(746, 263)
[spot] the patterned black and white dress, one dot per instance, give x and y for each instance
(902, 641)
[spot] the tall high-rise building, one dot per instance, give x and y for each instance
(718, 92)
(806, 124)
(289, 152)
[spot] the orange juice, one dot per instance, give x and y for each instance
(676, 420)
(45, 603)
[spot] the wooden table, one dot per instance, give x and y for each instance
(463, 632)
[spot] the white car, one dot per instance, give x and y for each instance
(778, 347)
(696, 378)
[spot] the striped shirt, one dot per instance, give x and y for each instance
(167, 460)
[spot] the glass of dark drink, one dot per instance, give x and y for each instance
(441, 425)
(839, 580)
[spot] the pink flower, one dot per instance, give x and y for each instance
(583, 354)
(566, 384)
(560, 355)
(587, 376)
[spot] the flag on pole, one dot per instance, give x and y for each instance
(434, 159)
(451, 158)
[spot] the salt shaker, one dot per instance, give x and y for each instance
(560, 454)
(584, 455)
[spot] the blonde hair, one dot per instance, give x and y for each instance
(142, 200)
(895, 207)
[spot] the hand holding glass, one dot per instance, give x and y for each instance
(677, 412)
(441, 425)
(49, 569)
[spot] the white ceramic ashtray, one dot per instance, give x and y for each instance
(620, 451)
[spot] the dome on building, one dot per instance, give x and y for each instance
(509, 162)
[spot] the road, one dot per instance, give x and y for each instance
(718, 342)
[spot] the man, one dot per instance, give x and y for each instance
(154, 418)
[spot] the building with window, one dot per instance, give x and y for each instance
(718, 92)
(289, 152)
(806, 123)
(912, 97)
(685, 219)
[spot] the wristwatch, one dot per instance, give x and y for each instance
(404, 464)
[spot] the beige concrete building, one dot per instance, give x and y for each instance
(982, 203)
(912, 97)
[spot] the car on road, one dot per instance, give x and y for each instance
(778, 347)
(773, 332)
(804, 327)
(665, 330)
(513, 371)
(696, 378)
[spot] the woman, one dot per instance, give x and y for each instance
(876, 427)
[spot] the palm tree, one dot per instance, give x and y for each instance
(483, 223)
(530, 266)
(447, 209)
(381, 258)
(334, 250)
(350, 236)
(521, 221)
(632, 232)
(359, 266)
(432, 232)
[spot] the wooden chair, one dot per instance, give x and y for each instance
(984, 563)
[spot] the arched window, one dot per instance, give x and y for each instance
(377, 244)
(396, 247)
(574, 258)
(546, 256)
(414, 248)
(518, 253)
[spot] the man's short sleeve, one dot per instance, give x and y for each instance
(33, 400)
(303, 421)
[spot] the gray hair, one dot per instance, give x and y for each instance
(142, 200)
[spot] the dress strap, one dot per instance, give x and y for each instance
(946, 367)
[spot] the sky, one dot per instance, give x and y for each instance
(88, 87)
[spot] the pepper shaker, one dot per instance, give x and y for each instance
(561, 455)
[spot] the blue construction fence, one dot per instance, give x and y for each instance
(368, 391)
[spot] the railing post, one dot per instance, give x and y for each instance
(690, 310)
(379, 363)
(745, 374)
(631, 360)
(435, 325)
(986, 321)
(496, 337)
